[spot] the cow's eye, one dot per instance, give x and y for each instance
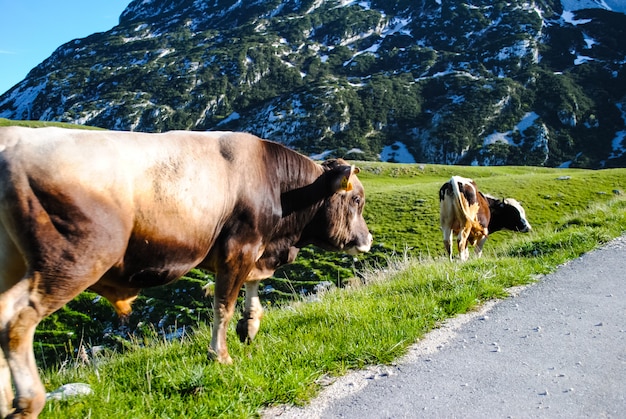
(356, 200)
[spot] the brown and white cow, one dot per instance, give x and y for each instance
(116, 212)
(471, 215)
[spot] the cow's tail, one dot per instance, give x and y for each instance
(468, 209)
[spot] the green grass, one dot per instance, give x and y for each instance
(394, 303)
(38, 124)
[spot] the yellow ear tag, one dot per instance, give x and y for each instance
(346, 185)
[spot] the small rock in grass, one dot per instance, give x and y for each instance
(69, 390)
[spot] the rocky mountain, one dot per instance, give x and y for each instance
(488, 82)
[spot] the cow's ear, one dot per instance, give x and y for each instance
(340, 178)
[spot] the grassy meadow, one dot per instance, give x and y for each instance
(38, 124)
(400, 292)
(386, 300)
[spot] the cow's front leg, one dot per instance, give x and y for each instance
(223, 312)
(229, 279)
(478, 250)
(248, 326)
(6, 387)
(462, 244)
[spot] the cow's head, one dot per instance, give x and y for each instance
(508, 214)
(339, 224)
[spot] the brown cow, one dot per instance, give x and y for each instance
(116, 212)
(472, 216)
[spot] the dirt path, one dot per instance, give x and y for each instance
(554, 349)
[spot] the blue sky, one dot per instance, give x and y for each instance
(30, 30)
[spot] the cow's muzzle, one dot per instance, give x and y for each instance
(361, 247)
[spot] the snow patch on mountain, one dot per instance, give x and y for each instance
(397, 153)
(507, 137)
(568, 17)
(22, 99)
(618, 144)
(611, 5)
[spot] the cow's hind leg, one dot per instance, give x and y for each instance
(65, 243)
(21, 309)
(248, 326)
(19, 315)
(12, 269)
(447, 242)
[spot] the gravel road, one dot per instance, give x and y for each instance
(555, 349)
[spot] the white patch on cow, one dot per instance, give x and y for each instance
(463, 180)
(362, 248)
(512, 202)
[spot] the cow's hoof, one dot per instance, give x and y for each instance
(223, 359)
(28, 407)
(242, 330)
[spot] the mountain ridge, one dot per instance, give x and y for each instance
(451, 82)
